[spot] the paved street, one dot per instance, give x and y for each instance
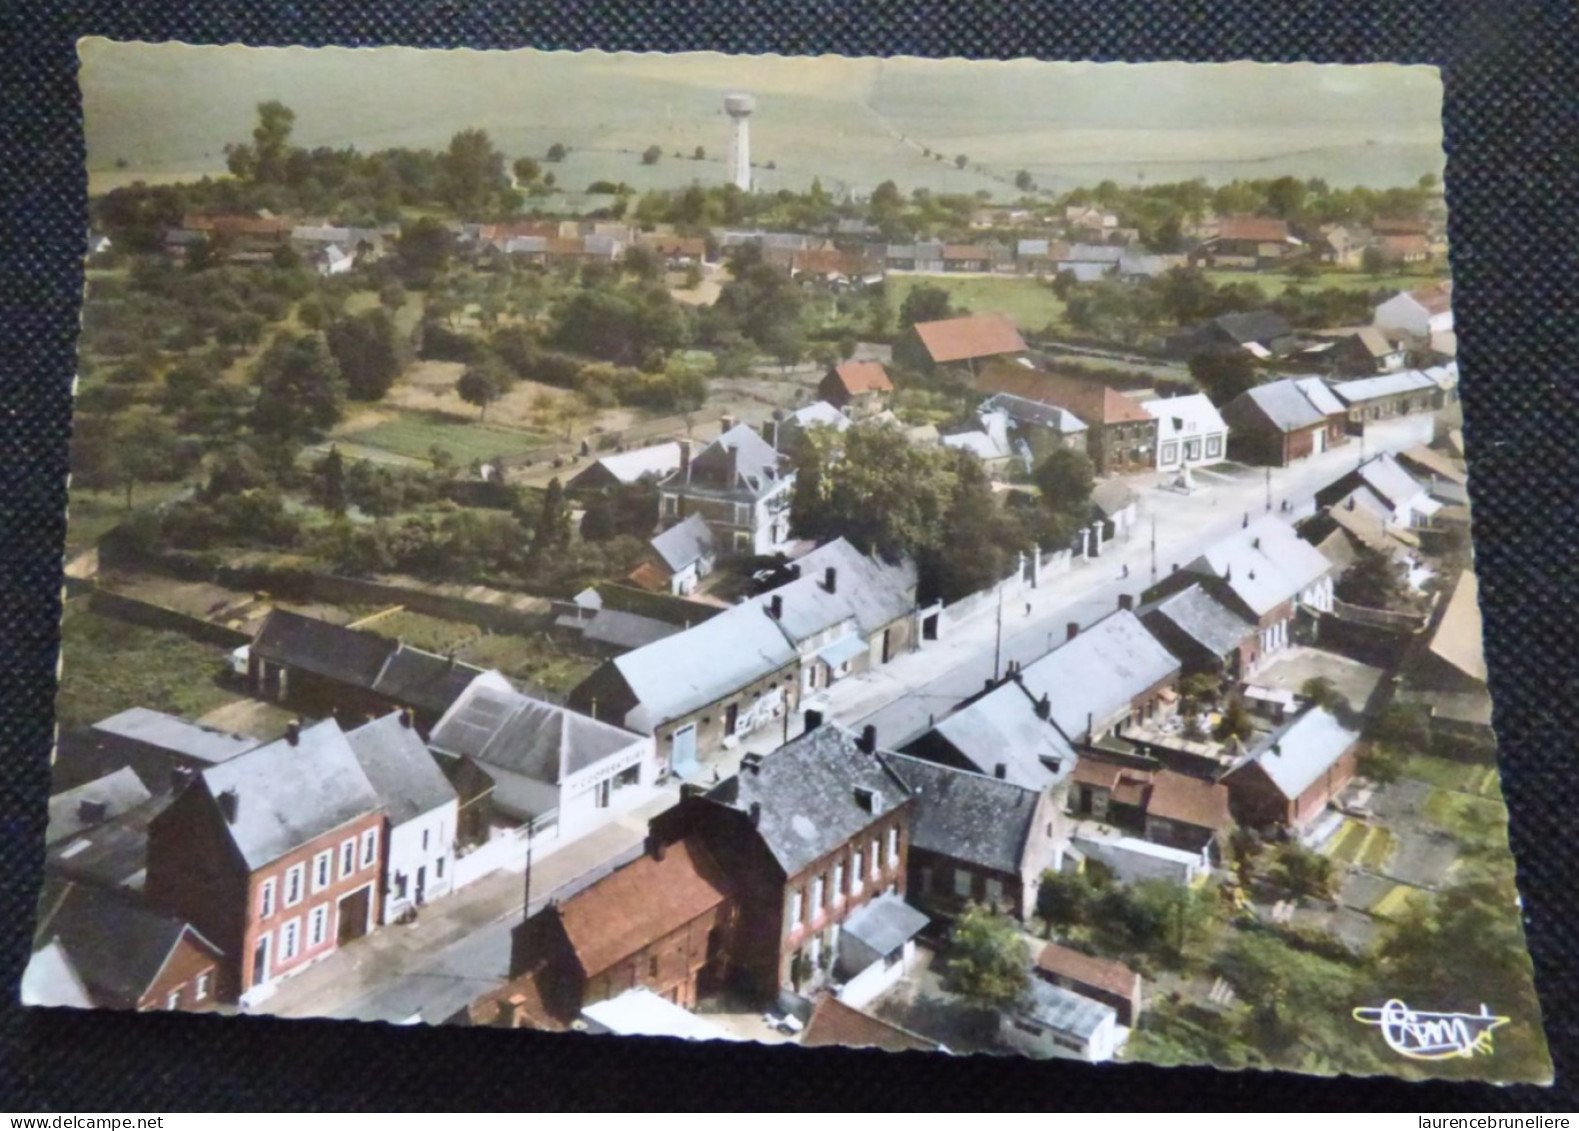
(902, 698)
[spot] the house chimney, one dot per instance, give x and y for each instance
(1255, 543)
(1246, 523)
(813, 719)
(1073, 630)
(229, 805)
(794, 570)
(1001, 771)
(91, 812)
(1126, 601)
(830, 579)
(685, 459)
(776, 607)
(726, 422)
(756, 814)
(655, 848)
(867, 743)
(1044, 706)
(293, 732)
(180, 778)
(406, 717)
(751, 762)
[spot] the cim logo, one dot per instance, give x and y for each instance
(1432, 1036)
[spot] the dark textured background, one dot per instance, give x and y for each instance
(1512, 104)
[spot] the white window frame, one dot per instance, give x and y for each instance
(318, 925)
(323, 870)
(173, 1001)
(856, 872)
(290, 939)
(266, 893)
(369, 849)
(295, 882)
(347, 857)
(795, 908)
(877, 858)
(838, 884)
(200, 987)
(819, 890)
(893, 848)
(1214, 446)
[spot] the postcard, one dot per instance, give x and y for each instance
(916, 554)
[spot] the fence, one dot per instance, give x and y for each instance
(1050, 564)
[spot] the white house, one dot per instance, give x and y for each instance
(740, 486)
(876, 946)
(559, 769)
(1190, 432)
(421, 807)
(1422, 313)
(1050, 1021)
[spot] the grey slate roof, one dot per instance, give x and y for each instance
(1386, 476)
(1282, 403)
(1098, 672)
(289, 795)
(872, 591)
(167, 732)
(684, 543)
(810, 794)
(51, 979)
(1301, 751)
(658, 460)
(618, 628)
(738, 462)
(421, 679)
(94, 803)
(689, 670)
(1316, 391)
(399, 768)
(1265, 563)
(968, 816)
(495, 725)
(316, 646)
(116, 945)
(1253, 326)
(1204, 619)
(1035, 414)
(885, 924)
(1384, 385)
(1063, 1010)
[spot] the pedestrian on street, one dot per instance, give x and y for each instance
(1027, 608)
(1125, 574)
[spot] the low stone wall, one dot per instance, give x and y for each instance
(138, 611)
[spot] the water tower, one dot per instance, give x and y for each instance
(739, 108)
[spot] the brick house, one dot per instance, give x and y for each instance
(808, 836)
(978, 839)
(1294, 773)
(860, 388)
(740, 485)
(1121, 436)
(1282, 421)
(275, 855)
(121, 954)
(662, 922)
(1205, 634)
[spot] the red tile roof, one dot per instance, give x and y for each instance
(825, 261)
(1437, 298)
(236, 225)
(1190, 801)
(640, 904)
(837, 1024)
(1261, 229)
(958, 251)
(1103, 973)
(1405, 243)
(693, 246)
(1093, 403)
(863, 377)
(1091, 772)
(975, 335)
(1398, 226)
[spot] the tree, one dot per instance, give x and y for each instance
(556, 152)
(1065, 899)
(1303, 873)
(699, 154)
(368, 352)
(1065, 479)
(526, 171)
(1023, 181)
(483, 382)
(423, 250)
(1223, 374)
(473, 177)
(1374, 581)
(1374, 261)
(651, 154)
(1235, 722)
(299, 388)
(925, 303)
(266, 159)
(553, 522)
(139, 446)
(961, 161)
(330, 475)
(977, 543)
(1321, 692)
(988, 962)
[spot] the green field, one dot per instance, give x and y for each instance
(415, 435)
(1464, 815)
(108, 665)
(1030, 303)
(1274, 283)
(536, 659)
(1445, 773)
(1398, 901)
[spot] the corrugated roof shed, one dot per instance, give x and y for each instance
(1063, 1010)
(312, 645)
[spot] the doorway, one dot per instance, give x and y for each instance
(354, 912)
(260, 961)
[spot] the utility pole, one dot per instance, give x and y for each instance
(1269, 488)
(531, 822)
(997, 647)
(1154, 549)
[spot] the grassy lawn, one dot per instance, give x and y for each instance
(1445, 773)
(1346, 845)
(536, 659)
(431, 634)
(415, 434)
(1397, 902)
(1463, 815)
(1030, 303)
(1378, 848)
(1274, 282)
(109, 665)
